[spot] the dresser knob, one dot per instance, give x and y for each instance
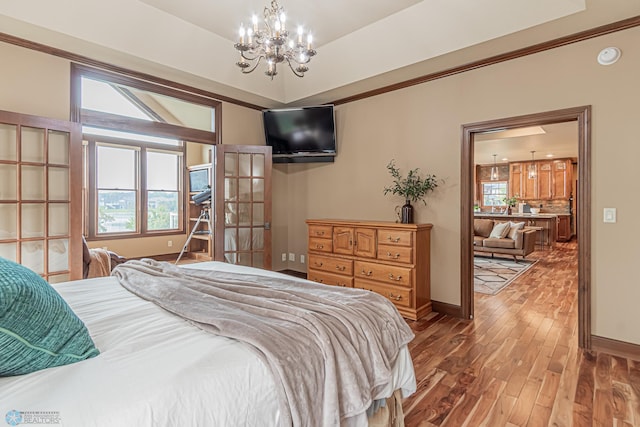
(396, 240)
(390, 255)
(318, 264)
(319, 246)
(392, 277)
(340, 267)
(319, 233)
(367, 273)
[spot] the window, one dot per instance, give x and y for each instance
(493, 193)
(135, 136)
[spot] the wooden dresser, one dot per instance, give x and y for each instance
(385, 257)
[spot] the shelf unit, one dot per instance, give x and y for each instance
(201, 244)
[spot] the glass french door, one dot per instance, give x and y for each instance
(40, 191)
(242, 181)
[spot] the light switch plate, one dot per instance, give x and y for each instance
(609, 215)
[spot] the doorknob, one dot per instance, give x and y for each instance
(267, 226)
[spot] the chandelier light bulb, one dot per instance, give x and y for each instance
(270, 41)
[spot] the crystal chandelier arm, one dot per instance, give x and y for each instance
(294, 70)
(249, 70)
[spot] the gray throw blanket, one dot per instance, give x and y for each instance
(330, 349)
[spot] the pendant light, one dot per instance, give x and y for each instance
(494, 169)
(532, 167)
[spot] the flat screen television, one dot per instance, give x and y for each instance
(304, 134)
(198, 180)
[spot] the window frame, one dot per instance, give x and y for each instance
(141, 148)
(134, 125)
(482, 193)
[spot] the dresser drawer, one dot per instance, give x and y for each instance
(397, 295)
(331, 265)
(322, 231)
(321, 245)
(330, 278)
(383, 273)
(395, 253)
(395, 237)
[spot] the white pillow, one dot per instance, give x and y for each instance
(513, 229)
(500, 230)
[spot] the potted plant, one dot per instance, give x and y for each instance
(412, 188)
(511, 202)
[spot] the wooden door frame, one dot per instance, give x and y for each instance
(583, 219)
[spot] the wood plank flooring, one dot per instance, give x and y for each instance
(518, 363)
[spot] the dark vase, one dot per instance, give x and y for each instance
(407, 213)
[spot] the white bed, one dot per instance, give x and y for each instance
(156, 369)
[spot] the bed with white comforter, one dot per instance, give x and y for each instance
(156, 369)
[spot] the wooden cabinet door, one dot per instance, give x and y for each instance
(561, 179)
(529, 185)
(365, 242)
(343, 240)
(515, 180)
(564, 228)
(545, 178)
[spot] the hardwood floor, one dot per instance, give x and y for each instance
(518, 363)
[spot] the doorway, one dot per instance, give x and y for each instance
(581, 115)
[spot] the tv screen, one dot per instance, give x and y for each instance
(301, 132)
(198, 180)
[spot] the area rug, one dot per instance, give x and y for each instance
(491, 275)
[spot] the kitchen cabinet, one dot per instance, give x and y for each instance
(564, 228)
(552, 180)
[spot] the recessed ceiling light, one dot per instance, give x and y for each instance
(609, 56)
(504, 159)
(549, 155)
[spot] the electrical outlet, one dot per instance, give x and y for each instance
(301, 259)
(169, 243)
(292, 256)
(284, 256)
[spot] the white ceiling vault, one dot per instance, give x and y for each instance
(357, 40)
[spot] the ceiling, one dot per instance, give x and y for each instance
(558, 141)
(362, 45)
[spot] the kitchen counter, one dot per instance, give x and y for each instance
(515, 215)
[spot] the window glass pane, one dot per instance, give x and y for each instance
(58, 255)
(141, 104)
(32, 182)
(8, 182)
(258, 190)
(33, 255)
(8, 221)
(103, 97)
(58, 184)
(32, 220)
(128, 135)
(162, 171)
(162, 208)
(244, 165)
(244, 239)
(258, 165)
(58, 219)
(32, 145)
(258, 214)
(258, 259)
(230, 164)
(116, 167)
(8, 145)
(58, 147)
(8, 251)
(258, 238)
(493, 193)
(244, 189)
(116, 211)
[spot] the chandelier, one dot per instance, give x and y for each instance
(272, 43)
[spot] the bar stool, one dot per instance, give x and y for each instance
(538, 229)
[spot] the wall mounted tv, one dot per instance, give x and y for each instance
(301, 135)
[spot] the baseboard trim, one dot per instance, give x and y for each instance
(446, 308)
(615, 347)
